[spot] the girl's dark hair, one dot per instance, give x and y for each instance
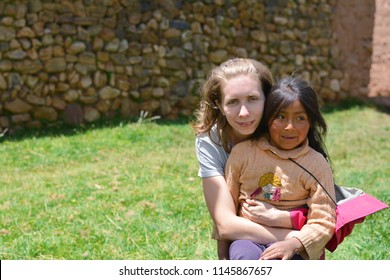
(284, 93)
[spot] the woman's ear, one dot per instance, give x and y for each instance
(219, 106)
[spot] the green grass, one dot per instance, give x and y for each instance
(358, 142)
(131, 191)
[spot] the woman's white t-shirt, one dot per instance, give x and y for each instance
(211, 155)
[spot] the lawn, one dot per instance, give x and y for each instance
(129, 190)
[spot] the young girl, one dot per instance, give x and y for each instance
(281, 167)
(232, 104)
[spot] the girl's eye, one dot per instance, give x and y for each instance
(301, 118)
(279, 117)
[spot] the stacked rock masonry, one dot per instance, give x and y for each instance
(78, 61)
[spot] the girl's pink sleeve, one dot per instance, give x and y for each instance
(298, 217)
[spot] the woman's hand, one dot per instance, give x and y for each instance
(265, 214)
(284, 250)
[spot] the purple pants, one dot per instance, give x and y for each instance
(250, 250)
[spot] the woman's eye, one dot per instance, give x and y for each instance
(231, 102)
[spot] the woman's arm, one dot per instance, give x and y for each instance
(230, 226)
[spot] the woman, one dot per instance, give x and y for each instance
(231, 109)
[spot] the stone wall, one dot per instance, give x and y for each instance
(352, 25)
(77, 61)
(380, 71)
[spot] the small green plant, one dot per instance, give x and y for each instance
(4, 132)
(143, 117)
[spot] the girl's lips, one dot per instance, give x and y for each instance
(288, 137)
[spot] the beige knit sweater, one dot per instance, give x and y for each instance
(256, 168)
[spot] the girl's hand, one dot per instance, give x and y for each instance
(282, 250)
(265, 214)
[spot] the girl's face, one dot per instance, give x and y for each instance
(290, 126)
(242, 105)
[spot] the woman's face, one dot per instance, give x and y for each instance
(243, 105)
(290, 127)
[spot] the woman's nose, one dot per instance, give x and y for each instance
(244, 111)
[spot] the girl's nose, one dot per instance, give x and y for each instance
(289, 125)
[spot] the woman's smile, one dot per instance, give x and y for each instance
(245, 124)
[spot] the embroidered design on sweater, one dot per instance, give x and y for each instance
(269, 186)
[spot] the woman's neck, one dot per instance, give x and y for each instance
(236, 138)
